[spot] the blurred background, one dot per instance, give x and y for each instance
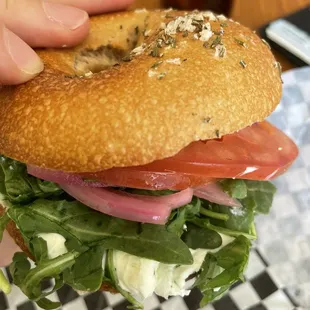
(252, 13)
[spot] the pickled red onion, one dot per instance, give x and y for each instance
(138, 208)
(214, 193)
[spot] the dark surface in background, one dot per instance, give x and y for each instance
(218, 6)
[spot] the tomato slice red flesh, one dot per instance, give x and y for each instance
(258, 152)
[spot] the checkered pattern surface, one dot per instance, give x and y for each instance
(259, 292)
(278, 275)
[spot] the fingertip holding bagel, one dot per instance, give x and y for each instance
(141, 87)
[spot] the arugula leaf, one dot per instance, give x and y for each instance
(38, 247)
(212, 295)
(239, 218)
(205, 222)
(214, 215)
(208, 271)
(19, 268)
(135, 304)
(29, 280)
(49, 188)
(31, 224)
(20, 271)
(233, 233)
(31, 284)
(233, 258)
(152, 242)
(261, 193)
(234, 253)
(180, 216)
(47, 304)
(83, 225)
(4, 220)
(19, 187)
(201, 238)
(87, 272)
(235, 188)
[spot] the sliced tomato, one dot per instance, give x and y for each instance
(258, 152)
(154, 180)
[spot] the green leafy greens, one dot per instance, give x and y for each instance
(29, 280)
(37, 206)
(180, 216)
(84, 226)
(19, 187)
(232, 259)
(201, 238)
(86, 279)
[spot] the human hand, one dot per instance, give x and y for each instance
(42, 23)
(39, 23)
(7, 249)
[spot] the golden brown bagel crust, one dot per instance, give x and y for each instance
(132, 114)
(16, 235)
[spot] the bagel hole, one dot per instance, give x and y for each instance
(99, 59)
(105, 56)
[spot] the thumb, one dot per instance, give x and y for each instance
(19, 63)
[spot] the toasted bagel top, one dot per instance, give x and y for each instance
(141, 87)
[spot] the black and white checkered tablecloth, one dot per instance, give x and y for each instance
(278, 275)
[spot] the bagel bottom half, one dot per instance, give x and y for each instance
(16, 235)
(19, 240)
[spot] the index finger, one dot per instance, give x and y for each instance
(97, 6)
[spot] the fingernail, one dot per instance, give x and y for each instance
(67, 16)
(23, 56)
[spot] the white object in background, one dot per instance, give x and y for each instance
(290, 37)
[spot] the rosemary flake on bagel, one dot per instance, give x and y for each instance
(243, 63)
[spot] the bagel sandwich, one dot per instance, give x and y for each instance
(138, 160)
